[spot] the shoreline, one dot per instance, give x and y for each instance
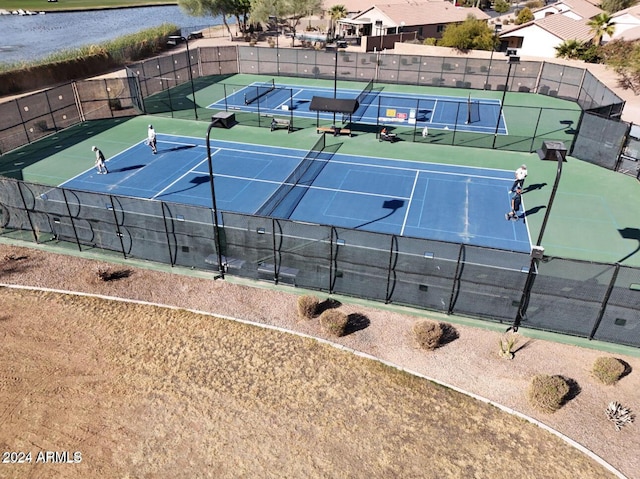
(4, 11)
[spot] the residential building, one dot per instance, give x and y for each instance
(417, 18)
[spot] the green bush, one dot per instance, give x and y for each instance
(334, 322)
(608, 370)
(427, 334)
(547, 393)
(307, 306)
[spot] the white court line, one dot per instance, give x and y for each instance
(465, 231)
(406, 215)
(402, 168)
(399, 160)
(279, 107)
(319, 188)
(433, 113)
(526, 222)
(192, 170)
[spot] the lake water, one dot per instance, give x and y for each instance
(32, 37)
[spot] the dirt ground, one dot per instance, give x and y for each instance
(143, 391)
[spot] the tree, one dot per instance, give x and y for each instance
(613, 6)
(289, 12)
(214, 8)
(524, 16)
(624, 58)
(501, 6)
(472, 34)
(602, 24)
(240, 9)
(337, 12)
(571, 49)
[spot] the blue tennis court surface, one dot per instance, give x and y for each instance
(424, 200)
(439, 112)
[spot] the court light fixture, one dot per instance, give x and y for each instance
(174, 40)
(497, 28)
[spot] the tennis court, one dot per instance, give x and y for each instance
(425, 200)
(478, 115)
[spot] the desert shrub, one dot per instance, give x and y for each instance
(507, 342)
(607, 369)
(619, 415)
(547, 393)
(427, 334)
(307, 306)
(334, 322)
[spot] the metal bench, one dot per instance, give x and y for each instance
(285, 274)
(278, 123)
(335, 131)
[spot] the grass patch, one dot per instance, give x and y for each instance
(254, 400)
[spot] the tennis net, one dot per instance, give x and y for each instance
(305, 173)
(258, 92)
(473, 111)
(365, 98)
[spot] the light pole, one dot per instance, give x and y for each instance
(497, 28)
(402, 24)
(176, 39)
(560, 159)
(274, 18)
(216, 231)
(335, 79)
(512, 61)
(537, 251)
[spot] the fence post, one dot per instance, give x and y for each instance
(392, 250)
(526, 295)
(333, 259)
(455, 287)
(168, 235)
(73, 225)
(118, 232)
(26, 209)
(276, 251)
(605, 300)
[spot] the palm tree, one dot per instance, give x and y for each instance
(602, 24)
(337, 12)
(571, 49)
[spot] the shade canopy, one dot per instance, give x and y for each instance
(334, 105)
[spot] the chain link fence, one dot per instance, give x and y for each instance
(586, 299)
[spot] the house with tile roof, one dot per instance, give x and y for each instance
(552, 25)
(539, 38)
(415, 18)
(576, 9)
(627, 24)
